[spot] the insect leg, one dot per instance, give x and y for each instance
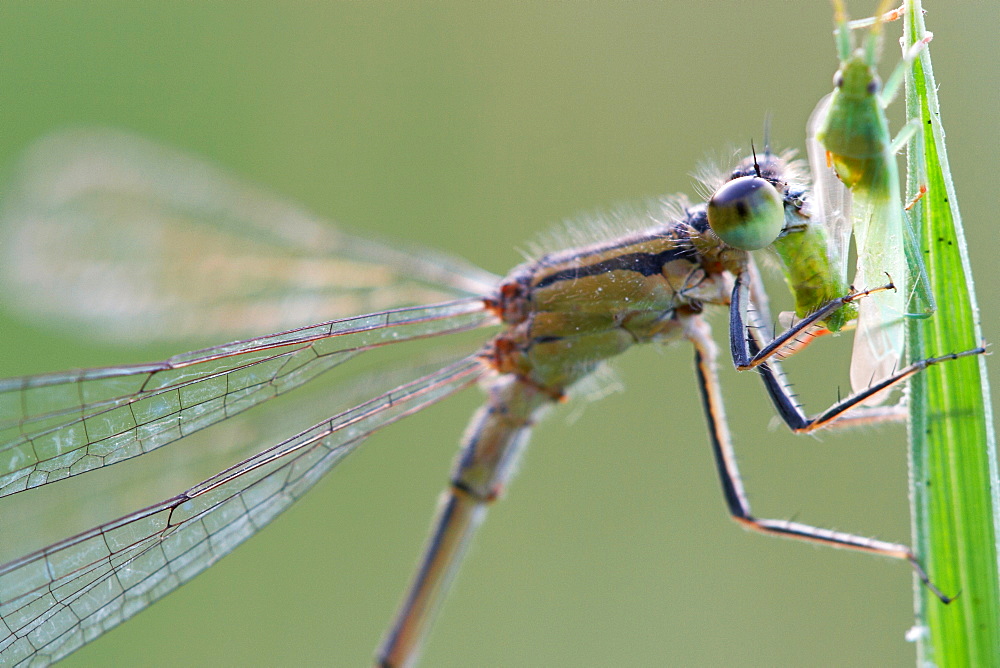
(792, 414)
(787, 341)
(732, 484)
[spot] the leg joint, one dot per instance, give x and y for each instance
(460, 488)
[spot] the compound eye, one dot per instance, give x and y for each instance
(747, 213)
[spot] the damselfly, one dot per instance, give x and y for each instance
(559, 316)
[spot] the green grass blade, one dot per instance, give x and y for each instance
(952, 443)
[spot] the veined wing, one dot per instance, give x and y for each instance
(141, 242)
(831, 200)
(880, 337)
(57, 599)
(58, 425)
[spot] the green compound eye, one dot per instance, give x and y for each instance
(747, 213)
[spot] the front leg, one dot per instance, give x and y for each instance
(749, 354)
(788, 341)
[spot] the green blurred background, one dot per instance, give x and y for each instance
(472, 127)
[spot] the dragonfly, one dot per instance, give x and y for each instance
(172, 243)
(849, 137)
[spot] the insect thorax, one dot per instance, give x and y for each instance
(567, 312)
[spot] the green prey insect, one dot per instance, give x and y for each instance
(850, 133)
(559, 318)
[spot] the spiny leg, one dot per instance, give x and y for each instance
(748, 348)
(791, 413)
(787, 341)
(732, 484)
(778, 387)
(884, 17)
(839, 414)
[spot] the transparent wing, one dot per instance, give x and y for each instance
(140, 242)
(880, 337)
(831, 199)
(58, 425)
(57, 599)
